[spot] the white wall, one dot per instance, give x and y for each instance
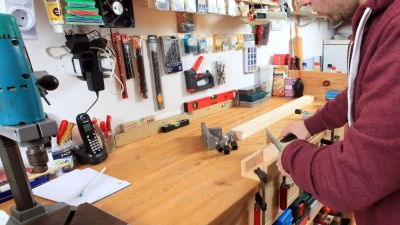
(72, 97)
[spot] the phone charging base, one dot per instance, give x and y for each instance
(85, 158)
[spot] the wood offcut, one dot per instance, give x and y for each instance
(253, 126)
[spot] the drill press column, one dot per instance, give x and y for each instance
(16, 174)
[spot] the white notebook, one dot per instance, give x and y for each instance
(68, 187)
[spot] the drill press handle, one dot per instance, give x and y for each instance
(46, 83)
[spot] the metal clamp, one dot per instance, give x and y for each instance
(211, 136)
(305, 113)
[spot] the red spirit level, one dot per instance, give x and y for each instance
(207, 101)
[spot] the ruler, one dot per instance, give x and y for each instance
(152, 39)
(208, 101)
(119, 62)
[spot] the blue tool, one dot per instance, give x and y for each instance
(20, 97)
(22, 121)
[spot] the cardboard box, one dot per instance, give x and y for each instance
(279, 59)
(132, 125)
(278, 85)
(289, 81)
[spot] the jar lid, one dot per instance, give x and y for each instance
(317, 63)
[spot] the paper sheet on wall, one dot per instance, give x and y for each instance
(68, 187)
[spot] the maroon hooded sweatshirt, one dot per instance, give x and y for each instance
(361, 173)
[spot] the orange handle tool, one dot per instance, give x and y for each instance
(61, 130)
(197, 63)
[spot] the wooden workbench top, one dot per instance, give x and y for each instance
(176, 180)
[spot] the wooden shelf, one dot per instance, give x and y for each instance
(303, 13)
(257, 2)
(306, 14)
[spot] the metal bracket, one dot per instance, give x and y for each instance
(211, 136)
(306, 24)
(333, 26)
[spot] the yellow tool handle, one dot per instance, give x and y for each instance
(67, 133)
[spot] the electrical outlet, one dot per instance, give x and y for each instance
(24, 13)
(276, 25)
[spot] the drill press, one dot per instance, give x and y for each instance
(23, 123)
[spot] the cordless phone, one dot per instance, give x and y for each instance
(93, 154)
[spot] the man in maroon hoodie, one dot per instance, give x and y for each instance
(359, 174)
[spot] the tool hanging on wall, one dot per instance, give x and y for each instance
(192, 78)
(119, 62)
(128, 59)
(139, 64)
(220, 69)
(153, 48)
(171, 53)
(208, 101)
(260, 200)
(262, 36)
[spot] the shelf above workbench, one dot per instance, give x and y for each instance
(306, 14)
(257, 2)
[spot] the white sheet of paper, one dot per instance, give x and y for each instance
(68, 187)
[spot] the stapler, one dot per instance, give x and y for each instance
(193, 78)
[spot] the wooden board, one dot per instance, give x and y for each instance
(317, 83)
(154, 128)
(246, 129)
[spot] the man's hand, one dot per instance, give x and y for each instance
(280, 168)
(297, 128)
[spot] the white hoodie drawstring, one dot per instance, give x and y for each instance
(355, 58)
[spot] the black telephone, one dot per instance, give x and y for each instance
(90, 152)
